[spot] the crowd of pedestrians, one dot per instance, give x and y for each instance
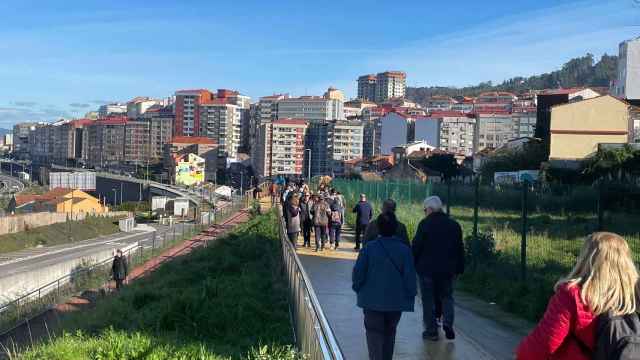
(592, 315)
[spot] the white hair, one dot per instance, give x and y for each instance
(433, 202)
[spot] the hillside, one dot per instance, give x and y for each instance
(582, 71)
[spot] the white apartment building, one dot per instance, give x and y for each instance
(493, 130)
(281, 144)
(524, 123)
(311, 109)
(262, 112)
(456, 133)
(627, 85)
(390, 84)
(332, 143)
(222, 123)
(112, 109)
(139, 105)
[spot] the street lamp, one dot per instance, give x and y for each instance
(115, 199)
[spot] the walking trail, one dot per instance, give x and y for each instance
(477, 337)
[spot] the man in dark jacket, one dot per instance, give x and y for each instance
(438, 252)
(372, 231)
(305, 219)
(364, 213)
(119, 269)
(384, 278)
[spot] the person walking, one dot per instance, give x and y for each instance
(293, 222)
(119, 270)
(273, 191)
(372, 232)
(335, 225)
(306, 221)
(438, 252)
(364, 213)
(321, 215)
(384, 278)
(602, 288)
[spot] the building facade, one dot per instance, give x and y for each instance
(456, 132)
(389, 85)
(187, 122)
(180, 146)
(367, 87)
(627, 84)
(493, 129)
(311, 109)
(222, 123)
(282, 144)
(106, 139)
(578, 128)
(114, 109)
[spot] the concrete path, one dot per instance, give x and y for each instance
(477, 337)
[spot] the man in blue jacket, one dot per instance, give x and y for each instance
(384, 278)
(364, 213)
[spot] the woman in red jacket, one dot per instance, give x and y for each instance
(603, 279)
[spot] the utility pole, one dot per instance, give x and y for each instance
(308, 166)
(120, 192)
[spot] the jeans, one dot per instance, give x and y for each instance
(334, 234)
(321, 235)
(306, 233)
(360, 228)
(430, 287)
(381, 327)
(293, 237)
(119, 283)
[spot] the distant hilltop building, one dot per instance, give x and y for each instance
(627, 85)
(382, 87)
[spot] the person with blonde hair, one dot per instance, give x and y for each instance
(602, 285)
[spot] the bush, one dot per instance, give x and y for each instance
(480, 249)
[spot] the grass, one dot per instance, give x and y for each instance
(554, 239)
(226, 301)
(56, 234)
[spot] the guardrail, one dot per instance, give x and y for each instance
(90, 276)
(313, 334)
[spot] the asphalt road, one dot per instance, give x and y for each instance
(30, 259)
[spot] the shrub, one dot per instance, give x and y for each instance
(480, 248)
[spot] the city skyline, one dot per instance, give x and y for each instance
(63, 62)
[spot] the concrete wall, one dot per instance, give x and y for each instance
(22, 222)
(16, 285)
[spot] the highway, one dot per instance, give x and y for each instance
(24, 261)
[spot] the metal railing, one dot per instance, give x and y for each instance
(313, 334)
(98, 275)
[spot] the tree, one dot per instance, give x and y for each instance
(445, 164)
(530, 157)
(613, 164)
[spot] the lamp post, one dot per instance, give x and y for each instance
(115, 199)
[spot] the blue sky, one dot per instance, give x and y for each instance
(63, 58)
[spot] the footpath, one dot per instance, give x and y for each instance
(477, 336)
(49, 323)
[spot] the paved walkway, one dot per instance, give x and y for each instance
(330, 271)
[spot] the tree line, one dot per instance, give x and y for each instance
(581, 71)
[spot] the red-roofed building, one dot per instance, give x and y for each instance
(187, 104)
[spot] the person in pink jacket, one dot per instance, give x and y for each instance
(603, 280)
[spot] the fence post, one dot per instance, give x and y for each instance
(523, 243)
(449, 197)
(600, 207)
(476, 205)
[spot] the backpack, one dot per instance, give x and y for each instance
(320, 216)
(336, 217)
(618, 337)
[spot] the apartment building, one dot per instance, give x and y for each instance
(440, 103)
(493, 129)
(282, 147)
(160, 119)
(63, 142)
(221, 122)
(389, 85)
(627, 84)
(106, 139)
(367, 87)
(331, 144)
(187, 122)
(311, 109)
(114, 109)
(524, 120)
(139, 105)
(21, 133)
(456, 132)
(494, 101)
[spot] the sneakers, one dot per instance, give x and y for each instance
(448, 332)
(430, 336)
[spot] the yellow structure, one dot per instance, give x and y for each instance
(189, 170)
(577, 128)
(63, 201)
